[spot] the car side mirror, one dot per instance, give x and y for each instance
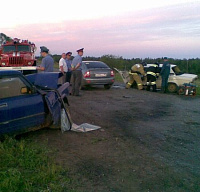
(24, 90)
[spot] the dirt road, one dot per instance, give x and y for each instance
(147, 141)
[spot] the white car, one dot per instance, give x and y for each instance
(176, 78)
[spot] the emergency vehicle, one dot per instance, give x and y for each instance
(18, 55)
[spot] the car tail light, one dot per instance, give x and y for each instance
(87, 74)
(112, 73)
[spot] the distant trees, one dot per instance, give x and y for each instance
(186, 65)
(3, 38)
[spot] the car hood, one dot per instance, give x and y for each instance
(47, 80)
(189, 76)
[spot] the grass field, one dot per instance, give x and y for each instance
(26, 166)
(197, 82)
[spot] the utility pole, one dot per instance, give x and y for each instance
(187, 65)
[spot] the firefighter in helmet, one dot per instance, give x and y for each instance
(135, 75)
(152, 74)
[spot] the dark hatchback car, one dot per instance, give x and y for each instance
(97, 73)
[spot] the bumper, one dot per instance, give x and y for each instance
(19, 68)
(102, 81)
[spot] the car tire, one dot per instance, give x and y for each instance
(172, 87)
(107, 86)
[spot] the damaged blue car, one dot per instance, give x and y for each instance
(31, 102)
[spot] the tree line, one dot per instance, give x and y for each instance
(185, 65)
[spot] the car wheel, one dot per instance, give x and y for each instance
(107, 86)
(172, 88)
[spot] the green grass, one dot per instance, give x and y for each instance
(197, 82)
(118, 77)
(25, 166)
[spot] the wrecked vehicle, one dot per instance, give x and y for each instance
(176, 78)
(31, 102)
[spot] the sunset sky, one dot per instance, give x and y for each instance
(131, 29)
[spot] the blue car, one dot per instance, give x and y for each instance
(31, 102)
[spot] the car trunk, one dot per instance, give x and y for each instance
(99, 73)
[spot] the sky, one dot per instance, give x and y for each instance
(128, 29)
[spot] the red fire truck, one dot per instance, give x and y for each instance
(18, 55)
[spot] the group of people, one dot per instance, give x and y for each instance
(152, 73)
(71, 69)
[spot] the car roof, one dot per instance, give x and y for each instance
(92, 61)
(148, 65)
(10, 72)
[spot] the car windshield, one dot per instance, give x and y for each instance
(176, 70)
(95, 65)
(9, 48)
(11, 87)
(24, 48)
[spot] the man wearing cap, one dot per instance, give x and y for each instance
(69, 63)
(63, 67)
(77, 72)
(47, 61)
(165, 71)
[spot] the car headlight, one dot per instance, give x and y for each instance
(29, 63)
(3, 63)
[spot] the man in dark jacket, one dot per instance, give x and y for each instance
(165, 71)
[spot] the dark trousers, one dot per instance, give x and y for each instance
(164, 82)
(151, 81)
(68, 76)
(76, 81)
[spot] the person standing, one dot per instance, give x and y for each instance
(77, 72)
(69, 64)
(63, 67)
(152, 74)
(47, 61)
(136, 71)
(165, 71)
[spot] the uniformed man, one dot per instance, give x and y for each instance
(47, 61)
(135, 75)
(152, 74)
(69, 67)
(165, 71)
(77, 72)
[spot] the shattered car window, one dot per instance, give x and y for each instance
(11, 87)
(176, 70)
(96, 65)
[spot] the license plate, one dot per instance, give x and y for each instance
(100, 75)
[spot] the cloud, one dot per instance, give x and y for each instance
(154, 32)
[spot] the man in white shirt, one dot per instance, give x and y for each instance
(63, 67)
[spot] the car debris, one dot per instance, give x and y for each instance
(85, 127)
